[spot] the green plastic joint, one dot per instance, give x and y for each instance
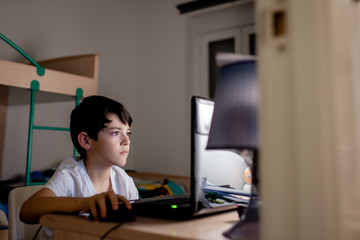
(40, 70)
(79, 93)
(35, 85)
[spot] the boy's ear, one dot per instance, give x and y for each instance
(84, 140)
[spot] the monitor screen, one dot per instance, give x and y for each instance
(212, 168)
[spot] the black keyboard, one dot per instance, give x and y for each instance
(163, 201)
(172, 207)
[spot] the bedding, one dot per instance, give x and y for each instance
(3, 216)
(153, 188)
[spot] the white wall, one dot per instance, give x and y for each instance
(141, 47)
(145, 63)
(161, 128)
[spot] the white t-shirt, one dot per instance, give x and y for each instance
(72, 180)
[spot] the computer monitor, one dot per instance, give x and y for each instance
(218, 167)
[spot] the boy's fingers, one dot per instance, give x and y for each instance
(102, 206)
(114, 201)
(125, 201)
(94, 212)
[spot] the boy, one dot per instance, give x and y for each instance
(100, 131)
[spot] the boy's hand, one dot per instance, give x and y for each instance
(98, 201)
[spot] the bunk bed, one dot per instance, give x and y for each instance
(75, 76)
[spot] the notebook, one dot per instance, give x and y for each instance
(217, 176)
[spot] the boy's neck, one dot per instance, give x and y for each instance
(99, 176)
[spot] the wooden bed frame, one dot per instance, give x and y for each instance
(62, 75)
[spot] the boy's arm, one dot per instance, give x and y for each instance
(45, 201)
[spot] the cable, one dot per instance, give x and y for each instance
(37, 232)
(110, 230)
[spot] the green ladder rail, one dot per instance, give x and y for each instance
(34, 87)
(39, 69)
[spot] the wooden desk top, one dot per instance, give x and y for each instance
(210, 227)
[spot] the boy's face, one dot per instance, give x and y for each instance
(113, 143)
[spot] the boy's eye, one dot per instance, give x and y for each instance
(128, 134)
(115, 133)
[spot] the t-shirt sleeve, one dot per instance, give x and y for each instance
(62, 184)
(133, 191)
(124, 184)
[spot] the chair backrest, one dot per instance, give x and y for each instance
(17, 229)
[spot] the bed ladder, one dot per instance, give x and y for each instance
(34, 87)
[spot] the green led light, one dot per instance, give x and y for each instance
(173, 206)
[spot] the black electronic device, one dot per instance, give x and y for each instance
(217, 176)
(122, 214)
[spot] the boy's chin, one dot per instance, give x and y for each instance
(121, 163)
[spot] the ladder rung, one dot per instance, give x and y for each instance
(36, 183)
(51, 128)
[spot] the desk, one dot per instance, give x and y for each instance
(76, 227)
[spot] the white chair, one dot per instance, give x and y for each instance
(17, 229)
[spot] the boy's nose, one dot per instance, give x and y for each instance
(126, 140)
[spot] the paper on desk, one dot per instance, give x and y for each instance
(208, 186)
(228, 194)
(227, 190)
